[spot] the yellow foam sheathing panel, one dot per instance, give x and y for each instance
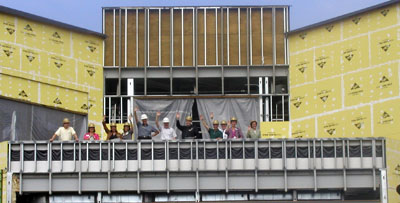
(331, 125)
(87, 48)
(357, 122)
(385, 46)
(355, 25)
(354, 54)
(90, 74)
(358, 88)
(9, 56)
(56, 40)
(327, 34)
(274, 129)
(385, 81)
(327, 61)
(3, 165)
(30, 61)
(302, 101)
(383, 17)
(7, 28)
(58, 68)
(304, 128)
(29, 33)
(63, 98)
(328, 95)
(18, 88)
(302, 68)
(387, 119)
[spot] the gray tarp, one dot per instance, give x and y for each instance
(167, 107)
(21, 121)
(244, 109)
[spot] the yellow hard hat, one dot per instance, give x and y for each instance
(189, 118)
(113, 125)
(91, 125)
(215, 122)
(233, 119)
(66, 120)
(223, 122)
(127, 124)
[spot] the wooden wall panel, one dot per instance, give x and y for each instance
(153, 37)
(233, 37)
(165, 37)
(117, 37)
(141, 37)
(267, 36)
(280, 36)
(188, 37)
(131, 41)
(123, 38)
(108, 48)
(219, 36)
(200, 36)
(177, 46)
(225, 35)
(256, 36)
(211, 37)
(243, 36)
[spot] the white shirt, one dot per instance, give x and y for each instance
(167, 133)
(224, 135)
(65, 134)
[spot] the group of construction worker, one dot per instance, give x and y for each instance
(223, 130)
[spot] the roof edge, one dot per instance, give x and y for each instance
(331, 20)
(49, 21)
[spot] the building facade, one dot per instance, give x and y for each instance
(48, 70)
(344, 80)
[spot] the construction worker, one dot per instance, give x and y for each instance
(166, 132)
(91, 133)
(65, 133)
(252, 131)
(128, 129)
(189, 131)
(112, 134)
(145, 131)
(234, 132)
(214, 132)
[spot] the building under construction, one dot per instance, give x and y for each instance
(329, 131)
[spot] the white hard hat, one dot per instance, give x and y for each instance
(165, 120)
(143, 117)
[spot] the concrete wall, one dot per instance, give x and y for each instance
(344, 81)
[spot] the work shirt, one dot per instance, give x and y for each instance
(188, 131)
(167, 133)
(214, 134)
(88, 137)
(65, 134)
(235, 133)
(253, 134)
(144, 131)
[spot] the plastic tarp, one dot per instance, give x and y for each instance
(244, 109)
(21, 121)
(167, 107)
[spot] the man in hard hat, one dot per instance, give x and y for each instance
(112, 134)
(234, 132)
(128, 129)
(145, 131)
(189, 131)
(65, 133)
(214, 132)
(167, 133)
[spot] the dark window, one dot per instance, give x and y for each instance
(281, 85)
(210, 86)
(158, 86)
(183, 85)
(235, 85)
(124, 86)
(111, 86)
(138, 84)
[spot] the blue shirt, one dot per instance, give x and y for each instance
(145, 130)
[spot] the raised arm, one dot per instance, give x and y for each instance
(134, 112)
(178, 123)
(130, 123)
(104, 125)
(157, 117)
(204, 122)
